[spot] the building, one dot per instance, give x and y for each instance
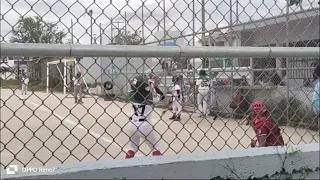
(174, 38)
(120, 70)
(16, 66)
(303, 32)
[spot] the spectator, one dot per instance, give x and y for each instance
(316, 93)
(78, 88)
(24, 84)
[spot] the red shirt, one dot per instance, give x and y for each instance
(264, 126)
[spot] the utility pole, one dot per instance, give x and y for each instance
(117, 27)
(90, 13)
(203, 30)
(72, 32)
(142, 33)
(165, 36)
(100, 28)
(111, 23)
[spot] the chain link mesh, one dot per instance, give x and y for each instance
(42, 125)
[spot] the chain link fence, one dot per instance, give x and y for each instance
(41, 124)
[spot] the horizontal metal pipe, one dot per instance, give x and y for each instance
(76, 50)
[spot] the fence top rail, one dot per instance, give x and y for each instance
(76, 50)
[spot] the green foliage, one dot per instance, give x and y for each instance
(36, 30)
(127, 38)
(294, 2)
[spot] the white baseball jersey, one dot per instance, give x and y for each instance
(203, 83)
(142, 112)
(175, 94)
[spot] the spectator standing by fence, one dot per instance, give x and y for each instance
(316, 93)
(77, 82)
(24, 84)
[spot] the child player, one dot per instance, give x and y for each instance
(203, 97)
(143, 95)
(176, 99)
(267, 132)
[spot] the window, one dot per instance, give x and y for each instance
(244, 62)
(220, 62)
(296, 63)
(220, 43)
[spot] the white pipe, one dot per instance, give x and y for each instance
(61, 77)
(84, 81)
(48, 77)
(65, 78)
(76, 50)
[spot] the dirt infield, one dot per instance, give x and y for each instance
(50, 129)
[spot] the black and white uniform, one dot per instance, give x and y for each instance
(140, 125)
(176, 99)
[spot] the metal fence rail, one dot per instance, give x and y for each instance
(59, 50)
(251, 50)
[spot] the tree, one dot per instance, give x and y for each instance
(127, 38)
(295, 2)
(36, 30)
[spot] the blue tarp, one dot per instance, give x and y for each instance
(169, 43)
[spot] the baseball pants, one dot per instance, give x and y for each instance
(203, 101)
(77, 91)
(177, 106)
(24, 88)
(142, 129)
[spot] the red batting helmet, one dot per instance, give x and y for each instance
(258, 107)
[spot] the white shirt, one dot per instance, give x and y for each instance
(203, 84)
(25, 81)
(175, 88)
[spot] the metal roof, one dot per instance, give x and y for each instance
(277, 19)
(271, 20)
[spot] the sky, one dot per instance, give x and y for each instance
(179, 15)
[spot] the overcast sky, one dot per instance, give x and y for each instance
(179, 14)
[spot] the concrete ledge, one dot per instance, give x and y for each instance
(235, 164)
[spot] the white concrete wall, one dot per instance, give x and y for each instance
(235, 164)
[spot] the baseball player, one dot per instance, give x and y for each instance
(143, 95)
(176, 99)
(203, 84)
(24, 84)
(267, 131)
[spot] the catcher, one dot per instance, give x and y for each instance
(267, 131)
(143, 95)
